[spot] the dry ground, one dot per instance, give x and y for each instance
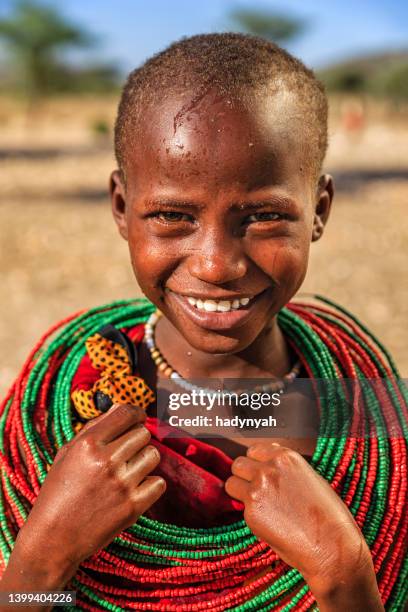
(60, 251)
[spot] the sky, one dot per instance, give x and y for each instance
(129, 31)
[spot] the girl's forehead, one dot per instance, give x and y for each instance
(195, 122)
(215, 136)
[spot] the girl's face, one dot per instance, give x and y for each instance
(219, 211)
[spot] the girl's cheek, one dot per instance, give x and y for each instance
(283, 261)
(290, 266)
(152, 266)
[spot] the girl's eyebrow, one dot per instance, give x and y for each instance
(281, 203)
(278, 202)
(160, 203)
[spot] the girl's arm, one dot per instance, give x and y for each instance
(98, 485)
(348, 590)
(292, 508)
(34, 566)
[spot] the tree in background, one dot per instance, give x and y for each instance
(273, 26)
(36, 35)
(382, 75)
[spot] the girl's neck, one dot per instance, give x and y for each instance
(269, 355)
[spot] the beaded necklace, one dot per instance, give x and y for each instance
(368, 473)
(165, 368)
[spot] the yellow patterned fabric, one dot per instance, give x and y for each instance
(116, 380)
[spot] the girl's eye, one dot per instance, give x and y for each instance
(173, 216)
(263, 216)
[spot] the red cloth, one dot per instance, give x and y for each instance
(195, 473)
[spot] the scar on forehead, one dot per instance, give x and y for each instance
(190, 106)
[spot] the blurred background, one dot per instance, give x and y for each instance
(61, 69)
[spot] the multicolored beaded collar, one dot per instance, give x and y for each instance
(211, 566)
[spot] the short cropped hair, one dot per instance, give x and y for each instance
(237, 65)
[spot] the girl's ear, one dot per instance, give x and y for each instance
(118, 201)
(325, 192)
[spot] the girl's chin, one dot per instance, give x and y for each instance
(217, 342)
(219, 346)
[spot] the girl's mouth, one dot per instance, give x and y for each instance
(215, 314)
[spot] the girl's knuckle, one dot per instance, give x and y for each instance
(86, 445)
(122, 490)
(267, 474)
(284, 458)
(253, 494)
(130, 509)
(108, 465)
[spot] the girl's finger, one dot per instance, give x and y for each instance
(129, 443)
(87, 426)
(237, 487)
(148, 492)
(118, 419)
(142, 464)
(245, 468)
(263, 451)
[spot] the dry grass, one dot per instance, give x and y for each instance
(61, 251)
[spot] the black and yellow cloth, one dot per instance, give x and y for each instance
(113, 363)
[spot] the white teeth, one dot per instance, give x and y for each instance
(210, 305)
(218, 306)
(224, 306)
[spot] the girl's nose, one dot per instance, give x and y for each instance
(217, 265)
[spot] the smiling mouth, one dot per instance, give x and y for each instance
(210, 305)
(213, 314)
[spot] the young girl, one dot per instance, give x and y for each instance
(220, 141)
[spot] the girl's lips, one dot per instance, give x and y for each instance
(215, 320)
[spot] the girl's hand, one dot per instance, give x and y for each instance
(98, 485)
(292, 508)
